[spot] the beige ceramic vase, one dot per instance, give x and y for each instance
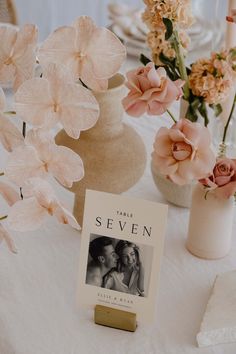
(210, 225)
(113, 154)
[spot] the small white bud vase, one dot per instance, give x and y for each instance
(210, 224)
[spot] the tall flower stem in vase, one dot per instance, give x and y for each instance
(181, 64)
(223, 145)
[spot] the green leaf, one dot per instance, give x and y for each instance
(217, 108)
(169, 28)
(203, 111)
(170, 63)
(144, 60)
(191, 114)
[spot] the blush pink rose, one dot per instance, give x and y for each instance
(223, 178)
(182, 153)
(151, 91)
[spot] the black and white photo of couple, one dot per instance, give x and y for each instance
(116, 265)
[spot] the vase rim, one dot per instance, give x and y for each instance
(116, 86)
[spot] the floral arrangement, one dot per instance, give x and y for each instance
(183, 152)
(75, 60)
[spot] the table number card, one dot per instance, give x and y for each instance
(120, 255)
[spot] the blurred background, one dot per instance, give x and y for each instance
(49, 14)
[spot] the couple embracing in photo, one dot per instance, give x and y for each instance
(117, 268)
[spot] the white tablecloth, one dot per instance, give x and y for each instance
(38, 312)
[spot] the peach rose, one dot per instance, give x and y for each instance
(151, 91)
(223, 178)
(183, 153)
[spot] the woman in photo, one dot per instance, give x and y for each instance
(128, 276)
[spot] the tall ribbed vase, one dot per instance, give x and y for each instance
(113, 154)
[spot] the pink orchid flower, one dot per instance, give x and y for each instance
(40, 156)
(10, 136)
(17, 54)
(56, 98)
(4, 236)
(11, 197)
(183, 152)
(39, 202)
(9, 193)
(93, 54)
(150, 91)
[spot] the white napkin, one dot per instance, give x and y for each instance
(219, 322)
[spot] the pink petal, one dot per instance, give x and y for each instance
(4, 235)
(137, 109)
(106, 52)
(163, 144)
(41, 190)
(9, 194)
(59, 47)
(156, 108)
(65, 217)
(66, 166)
(27, 36)
(8, 37)
(10, 136)
(24, 56)
(2, 100)
(26, 215)
(33, 101)
(58, 76)
(24, 163)
(164, 165)
(88, 77)
(79, 109)
(25, 66)
(85, 28)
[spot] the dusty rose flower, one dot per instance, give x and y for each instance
(211, 79)
(56, 98)
(223, 178)
(17, 55)
(10, 136)
(39, 202)
(151, 91)
(232, 17)
(92, 54)
(39, 155)
(182, 153)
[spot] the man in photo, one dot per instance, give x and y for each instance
(103, 260)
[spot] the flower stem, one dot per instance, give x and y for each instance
(181, 64)
(3, 217)
(228, 121)
(24, 129)
(171, 115)
(10, 112)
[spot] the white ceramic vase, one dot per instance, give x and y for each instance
(113, 154)
(210, 224)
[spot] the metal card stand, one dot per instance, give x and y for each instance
(107, 316)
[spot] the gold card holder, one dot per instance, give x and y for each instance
(107, 316)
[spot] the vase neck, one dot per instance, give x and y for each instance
(109, 123)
